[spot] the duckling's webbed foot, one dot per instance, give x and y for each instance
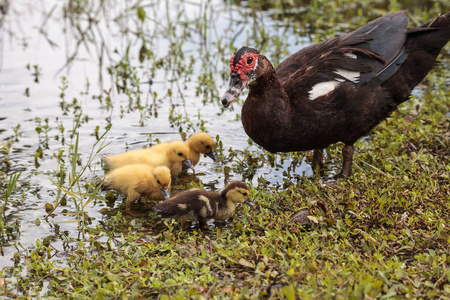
(135, 214)
(202, 223)
(347, 156)
(185, 225)
(317, 162)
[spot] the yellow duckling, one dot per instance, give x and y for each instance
(198, 143)
(137, 180)
(173, 156)
(200, 205)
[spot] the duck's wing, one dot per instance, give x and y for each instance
(366, 56)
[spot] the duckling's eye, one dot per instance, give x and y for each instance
(157, 181)
(180, 154)
(207, 146)
(244, 194)
(249, 60)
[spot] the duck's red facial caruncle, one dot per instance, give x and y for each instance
(244, 66)
(242, 73)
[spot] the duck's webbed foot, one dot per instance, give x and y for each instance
(317, 162)
(347, 158)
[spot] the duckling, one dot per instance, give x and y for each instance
(173, 156)
(200, 205)
(200, 142)
(137, 180)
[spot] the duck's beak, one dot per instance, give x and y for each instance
(212, 156)
(235, 88)
(166, 193)
(188, 163)
(249, 203)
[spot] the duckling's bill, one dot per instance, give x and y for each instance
(212, 156)
(249, 203)
(165, 192)
(188, 163)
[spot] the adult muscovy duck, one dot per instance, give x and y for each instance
(337, 90)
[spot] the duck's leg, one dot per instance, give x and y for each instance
(132, 196)
(317, 162)
(347, 158)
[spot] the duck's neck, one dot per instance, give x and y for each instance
(269, 84)
(267, 110)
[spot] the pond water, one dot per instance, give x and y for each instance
(81, 79)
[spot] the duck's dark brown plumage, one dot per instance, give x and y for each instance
(201, 205)
(337, 90)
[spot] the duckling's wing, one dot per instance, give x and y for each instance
(159, 148)
(144, 186)
(114, 161)
(193, 204)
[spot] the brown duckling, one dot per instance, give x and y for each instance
(137, 180)
(200, 205)
(173, 156)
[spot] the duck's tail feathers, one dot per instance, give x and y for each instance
(431, 36)
(422, 47)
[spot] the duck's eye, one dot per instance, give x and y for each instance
(180, 154)
(207, 146)
(244, 194)
(157, 181)
(249, 60)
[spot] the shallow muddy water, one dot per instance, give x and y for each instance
(136, 74)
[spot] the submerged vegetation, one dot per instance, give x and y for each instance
(132, 73)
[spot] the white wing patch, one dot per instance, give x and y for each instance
(349, 75)
(351, 55)
(323, 88)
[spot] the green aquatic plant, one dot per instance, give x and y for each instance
(74, 189)
(12, 182)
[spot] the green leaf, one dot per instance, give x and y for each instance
(141, 13)
(289, 292)
(246, 263)
(313, 219)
